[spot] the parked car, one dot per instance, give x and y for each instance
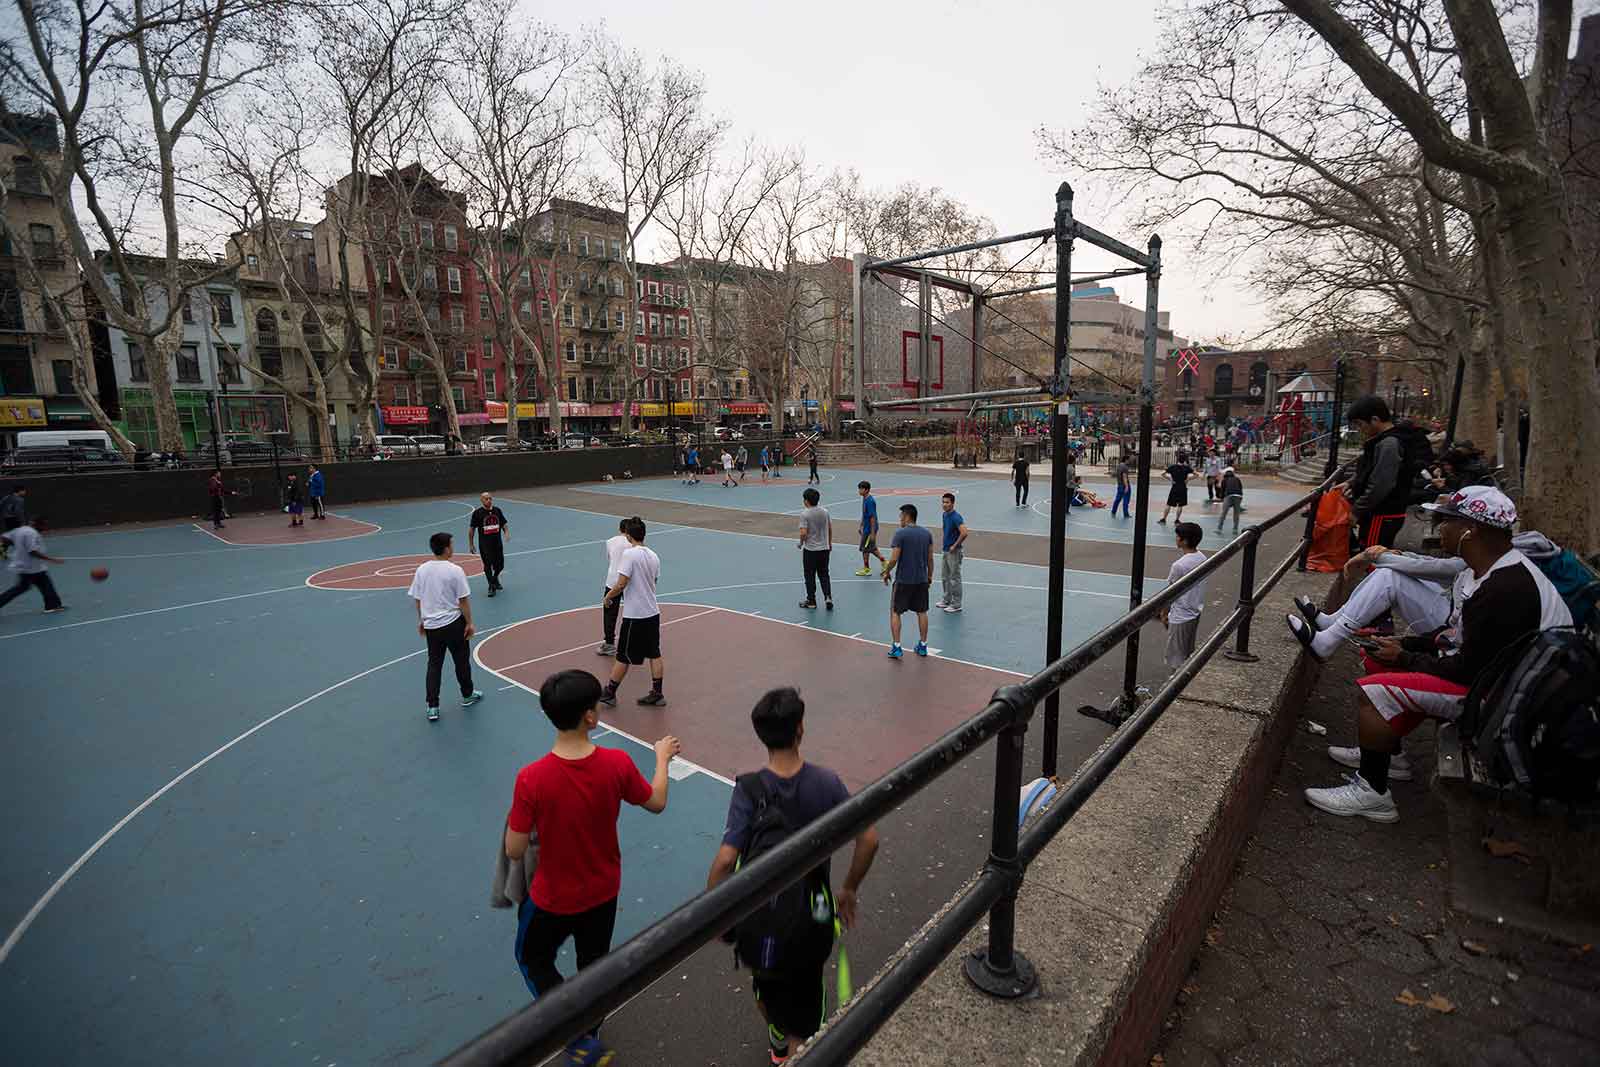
(49, 460)
(498, 442)
(573, 440)
(852, 427)
(430, 444)
(391, 445)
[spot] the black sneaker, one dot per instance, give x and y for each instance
(830, 605)
(808, 603)
(608, 699)
(652, 697)
(491, 590)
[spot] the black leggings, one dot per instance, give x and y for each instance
(454, 638)
(816, 566)
(40, 581)
(1022, 492)
(540, 935)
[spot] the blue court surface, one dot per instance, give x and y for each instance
(235, 839)
(987, 503)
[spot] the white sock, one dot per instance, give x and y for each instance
(1325, 642)
(1324, 620)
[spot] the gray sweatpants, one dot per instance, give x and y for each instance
(1233, 501)
(1180, 642)
(950, 575)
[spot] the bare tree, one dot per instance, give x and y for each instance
(653, 137)
(1514, 86)
(125, 81)
(373, 60)
(514, 152)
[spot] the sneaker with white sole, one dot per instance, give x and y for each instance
(1399, 766)
(952, 609)
(940, 603)
(1355, 797)
(472, 698)
(607, 648)
(433, 714)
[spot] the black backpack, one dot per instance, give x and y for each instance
(1416, 452)
(793, 931)
(1533, 715)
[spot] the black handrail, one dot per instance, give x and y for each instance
(542, 1028)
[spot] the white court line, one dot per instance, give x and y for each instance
(152, 611)
(876, 581)
(376, 529)
(580, 648)
(89, 854)
(240, 548)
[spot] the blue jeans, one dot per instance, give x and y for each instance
(1123, 497)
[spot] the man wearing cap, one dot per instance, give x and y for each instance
(1497, 596)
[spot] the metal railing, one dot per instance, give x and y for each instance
(544, 1027)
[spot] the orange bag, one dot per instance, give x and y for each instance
(1330, 539)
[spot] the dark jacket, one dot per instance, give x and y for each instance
(1232, 486)
(1384, 473)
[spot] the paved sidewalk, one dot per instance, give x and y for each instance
(1328, 921)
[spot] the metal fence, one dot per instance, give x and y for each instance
(544, 1027)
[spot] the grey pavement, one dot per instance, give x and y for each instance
(1329, 920)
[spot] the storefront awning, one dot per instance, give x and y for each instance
(747, 409)
(475, 418)
(405, 416)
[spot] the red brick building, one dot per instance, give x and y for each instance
(1220, 384)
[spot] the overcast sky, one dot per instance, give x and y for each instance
(945, 93)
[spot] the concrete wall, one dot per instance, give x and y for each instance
(143, 496)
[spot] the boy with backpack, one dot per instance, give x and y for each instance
(1392, 455)
(568, 801)
(787, 942)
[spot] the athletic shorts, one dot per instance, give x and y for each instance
(639, 640)
(869, 542)
(910, 598)
(1178, 496)
(763, 468)
(1405, 698)
(796, 1005)
(739, 467)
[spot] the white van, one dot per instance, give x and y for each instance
(64, 439)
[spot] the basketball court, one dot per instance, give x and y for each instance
(235, 837)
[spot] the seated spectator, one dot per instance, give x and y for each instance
(1416, 587)
(1497, 597)
(1461, 466)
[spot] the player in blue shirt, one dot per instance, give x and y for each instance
(694, 465)
(869, 530)
(911, 562)
(955, 550)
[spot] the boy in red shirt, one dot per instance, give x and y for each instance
(571, 798)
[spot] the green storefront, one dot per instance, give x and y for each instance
(139, 418)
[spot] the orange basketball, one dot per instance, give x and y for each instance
(99, 574)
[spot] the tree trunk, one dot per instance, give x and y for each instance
(80, 385)
(1475, 421)
(1562, 495)
(158, 365)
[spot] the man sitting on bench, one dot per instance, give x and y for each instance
(1495, 599)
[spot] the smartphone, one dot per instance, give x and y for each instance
(1366, 644)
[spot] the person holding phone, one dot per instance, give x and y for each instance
(1497, 597)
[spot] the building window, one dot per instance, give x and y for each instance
(683, 357)
(460, 360)
(188, 364)
(433, 314)
(222, 304)
(566, 242)
(544, 308)
(230, 371)
(683, 326)
(391, 357)
(402, 395)
(430, 277)
(638, 355)
(484, 310)
(526, 310)
(683, 295)
(459, 395)
(451, 240)
(588, 352)
(458, 317)
(186, 307)
(583, 244)
(425, 234)
(638, 321)
(61, 369)
(639, 286)
(43, 239)
(488, 383)
(272, 362)
(136, 368)
(453, 278)
(616, 320)
(572, 352)
(1222, 380)
(566, 314)
(655, 325)
(588, 316)
(616, 248)
(655, 357)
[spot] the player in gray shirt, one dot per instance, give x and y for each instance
(816, 545)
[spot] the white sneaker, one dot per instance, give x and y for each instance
(940, 603)
(952, 609)
(1399, 766)
(1355, 797)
